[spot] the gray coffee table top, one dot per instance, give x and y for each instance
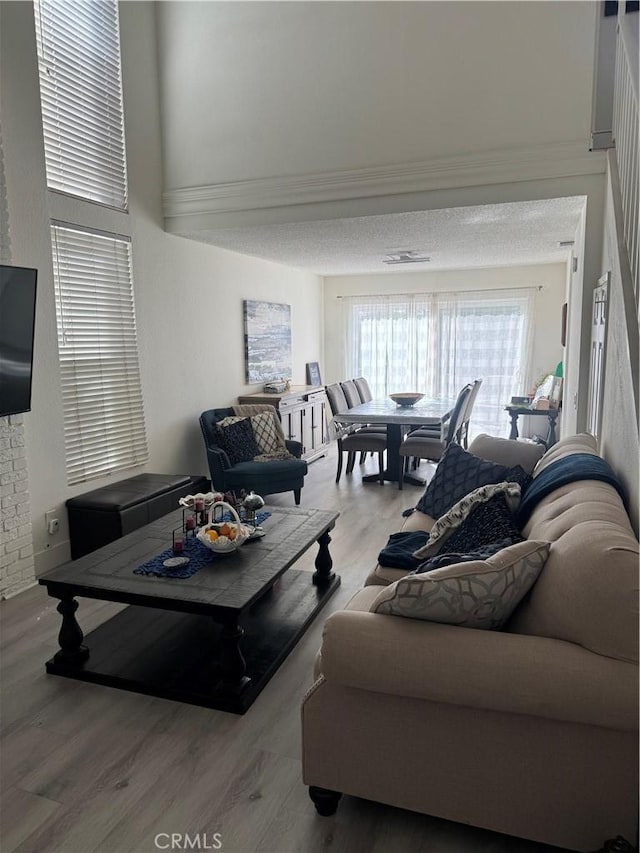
(232, 582)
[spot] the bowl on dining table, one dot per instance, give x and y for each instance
(407, 398)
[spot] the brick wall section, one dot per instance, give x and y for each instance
(16, 545)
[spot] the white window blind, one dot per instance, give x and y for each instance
(102, 395)
(81, 95)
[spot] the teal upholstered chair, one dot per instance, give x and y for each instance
(264, 478)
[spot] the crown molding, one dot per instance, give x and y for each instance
(564, 159)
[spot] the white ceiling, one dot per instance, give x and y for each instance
(512, 234)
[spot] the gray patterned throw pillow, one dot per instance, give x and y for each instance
(477, 594)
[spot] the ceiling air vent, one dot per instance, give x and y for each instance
(408, 256)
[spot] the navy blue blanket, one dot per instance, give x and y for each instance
(578, 466)
(398, 552)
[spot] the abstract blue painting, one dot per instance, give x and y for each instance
(267, 340)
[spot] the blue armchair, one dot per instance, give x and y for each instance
(264, 478)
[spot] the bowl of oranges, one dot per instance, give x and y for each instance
(221, 536)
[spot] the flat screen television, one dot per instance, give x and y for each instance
(17, 326)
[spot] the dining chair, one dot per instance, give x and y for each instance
(423, 444)
(350, 392)
(463, 437)
(353, 397)
(364, 390)
(350, 438)
(358, 391)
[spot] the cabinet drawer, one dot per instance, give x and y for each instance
(290, 402)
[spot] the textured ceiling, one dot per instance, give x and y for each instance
(512, 234)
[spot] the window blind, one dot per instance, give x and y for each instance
(101, 389)
(81, 97)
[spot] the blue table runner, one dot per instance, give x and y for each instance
(199, 556)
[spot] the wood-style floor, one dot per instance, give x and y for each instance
(89, 768)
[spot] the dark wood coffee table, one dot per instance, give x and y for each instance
(181, 639)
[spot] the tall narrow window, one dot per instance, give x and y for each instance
(435, 343)
(81, 93)
(102, 395)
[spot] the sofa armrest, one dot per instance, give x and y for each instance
(516, 673)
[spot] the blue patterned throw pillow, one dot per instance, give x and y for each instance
(460, 472)
(238, 441)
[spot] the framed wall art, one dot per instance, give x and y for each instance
(267, 341)
(313, 374)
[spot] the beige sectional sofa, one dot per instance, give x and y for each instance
(530, 731)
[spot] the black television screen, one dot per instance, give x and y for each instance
(17, 325)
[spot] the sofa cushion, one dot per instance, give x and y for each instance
(506, 451)
(383, 576)
(448, 523)
(588, 592)
(460, 472)
(478, 594)
(238, 441)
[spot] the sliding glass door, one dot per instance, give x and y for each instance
(435, 343)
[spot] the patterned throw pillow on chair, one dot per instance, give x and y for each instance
(237, 440)
(476, 594)
(460, 472)
(266, 432)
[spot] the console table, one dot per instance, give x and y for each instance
(552, 415)
(303, 409)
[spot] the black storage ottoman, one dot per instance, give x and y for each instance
(103, 515)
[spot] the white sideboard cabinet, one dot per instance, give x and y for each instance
(304, 413)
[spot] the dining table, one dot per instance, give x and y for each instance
(398, 419)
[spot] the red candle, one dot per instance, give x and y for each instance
(199, 505)
(178, 545)
(191, 522)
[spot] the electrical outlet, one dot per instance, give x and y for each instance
(52, 521)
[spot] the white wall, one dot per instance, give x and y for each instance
(619, 428)
(255, 89)
(546, 347)
(188, 295)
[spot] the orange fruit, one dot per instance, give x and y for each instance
(212, 535)
(224, 529)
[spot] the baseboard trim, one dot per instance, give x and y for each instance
(6, 595)
(50, 558)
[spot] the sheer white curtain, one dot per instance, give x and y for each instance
(437, 342)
